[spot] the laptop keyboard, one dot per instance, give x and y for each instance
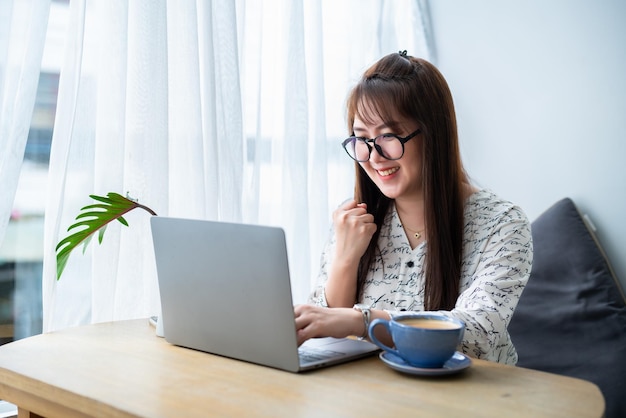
(309, 354)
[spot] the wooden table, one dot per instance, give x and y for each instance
(121, 369)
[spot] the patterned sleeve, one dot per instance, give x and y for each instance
(317, 296)
(503, 262)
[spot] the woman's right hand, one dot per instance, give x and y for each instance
(354, 228)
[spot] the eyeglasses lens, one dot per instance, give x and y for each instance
(388, 146)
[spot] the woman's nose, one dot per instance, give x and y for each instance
(376, 156)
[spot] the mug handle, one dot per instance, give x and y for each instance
(370, 331)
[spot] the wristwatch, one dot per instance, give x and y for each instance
(365, 310)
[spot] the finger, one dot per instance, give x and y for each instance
(348, 204)
(305, 331)
(303, 315)
(301, 337)
(353, 214)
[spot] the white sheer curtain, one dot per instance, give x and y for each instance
(23, 26)
(205, 109)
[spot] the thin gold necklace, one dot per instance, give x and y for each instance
(416, 234)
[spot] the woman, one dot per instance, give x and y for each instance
(417, 235)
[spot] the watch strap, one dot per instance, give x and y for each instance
(365, 310)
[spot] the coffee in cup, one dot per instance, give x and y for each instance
(425, 340)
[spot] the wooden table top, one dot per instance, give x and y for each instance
(121, 369)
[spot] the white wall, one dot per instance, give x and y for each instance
(540, 91)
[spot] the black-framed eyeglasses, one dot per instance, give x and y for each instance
(389, 146)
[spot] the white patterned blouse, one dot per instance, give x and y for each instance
(497, 258)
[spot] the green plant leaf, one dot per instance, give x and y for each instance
(94, 218)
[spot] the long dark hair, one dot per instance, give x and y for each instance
(415, 89)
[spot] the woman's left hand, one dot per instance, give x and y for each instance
(315, 321)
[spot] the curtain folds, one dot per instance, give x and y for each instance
(205, 109)
(23, 26)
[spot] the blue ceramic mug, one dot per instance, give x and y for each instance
(425, 340)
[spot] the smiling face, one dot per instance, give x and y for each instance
(396, 179)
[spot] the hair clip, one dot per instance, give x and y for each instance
(402, 53)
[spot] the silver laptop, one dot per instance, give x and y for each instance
(225, 289)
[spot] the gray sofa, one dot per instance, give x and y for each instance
(571, 318)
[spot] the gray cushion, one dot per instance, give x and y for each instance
(571, 318)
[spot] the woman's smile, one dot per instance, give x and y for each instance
(388, 171)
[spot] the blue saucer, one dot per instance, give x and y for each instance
(457, 363)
